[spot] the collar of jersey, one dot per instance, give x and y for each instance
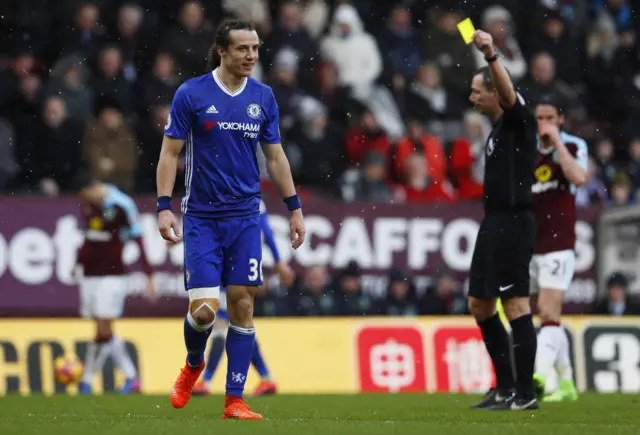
(224, 88)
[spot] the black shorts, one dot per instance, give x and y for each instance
(503, 251)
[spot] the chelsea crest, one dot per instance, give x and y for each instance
(254, 111)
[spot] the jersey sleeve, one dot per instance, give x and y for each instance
(178, 122)
(582, 154)
(268, 232)
(270, 133)
(133, 218)
(520, 112)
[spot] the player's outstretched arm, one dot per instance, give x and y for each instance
(499, 75)
(280, 172)
(165, 181)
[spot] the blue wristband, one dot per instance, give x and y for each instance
(164, 203)
(293, 203)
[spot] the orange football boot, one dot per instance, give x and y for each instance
(181, 391)
(235, 408)
(201, 389)
(265, 388)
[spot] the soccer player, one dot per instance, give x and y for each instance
(111, 219)
(561, 167)
(221, 116)
(504, 246)
(267, 385)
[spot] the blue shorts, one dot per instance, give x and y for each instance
(222, 252)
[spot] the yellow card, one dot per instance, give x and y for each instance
(466, 29)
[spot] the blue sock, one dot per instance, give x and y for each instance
(215, 355)
(195, 339)
(258, 361)
(239, 351)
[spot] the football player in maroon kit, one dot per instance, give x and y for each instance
(561, 166)
(111, 219)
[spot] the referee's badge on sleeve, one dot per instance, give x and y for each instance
(490, 146)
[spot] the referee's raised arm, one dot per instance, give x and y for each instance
(499, 75)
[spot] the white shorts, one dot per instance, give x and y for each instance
(552, 271)
(102, 297)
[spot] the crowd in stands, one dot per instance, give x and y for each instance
(373, 98)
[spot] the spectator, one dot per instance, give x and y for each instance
(290, 34)
(150, 133)
(418, 187)
(429, 145)
(353, 50)
(499, 23)
(162, 83)
(51, 156)
(467, 157)
(190, 40)
(618, 302)
(555, 40)
(444, 46)
(255, 11)
(268, 304)
(312, 295)
(443, 298)
(633, 165)
(368, 183)
(428, 99)
(8, 165)
(315, 147)
(610, 67)
(111, 146)
(621, 190)
(85, 36)
(285, 88)
(332, 94)
(131, 40)
(315, 14)
(366, 138)
(111, 81)
(593, 191)
(401, 298)
(70, 80)
(348, 291)
(401, 45)
(542, 82)
(607, 168)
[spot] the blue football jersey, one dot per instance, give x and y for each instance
(222, 130)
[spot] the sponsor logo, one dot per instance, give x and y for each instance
(27, 367)
(543, 173)
(462, 362)
(612, 358)
(212, 109)
(167, 123)
(254, 111)
(543, 187)
(391, 359)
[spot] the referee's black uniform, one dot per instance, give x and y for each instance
(503, 251)
(505, 242)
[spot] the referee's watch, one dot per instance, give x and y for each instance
(491, 59)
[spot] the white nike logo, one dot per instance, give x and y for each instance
(507, 287)
(516, 407)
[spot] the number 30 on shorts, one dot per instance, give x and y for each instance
(255, 269)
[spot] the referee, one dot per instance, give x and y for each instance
(504, 246)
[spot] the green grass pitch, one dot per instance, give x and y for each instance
(326, 415)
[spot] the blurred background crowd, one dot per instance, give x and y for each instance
(373, 97)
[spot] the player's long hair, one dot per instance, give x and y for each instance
(222, 39)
